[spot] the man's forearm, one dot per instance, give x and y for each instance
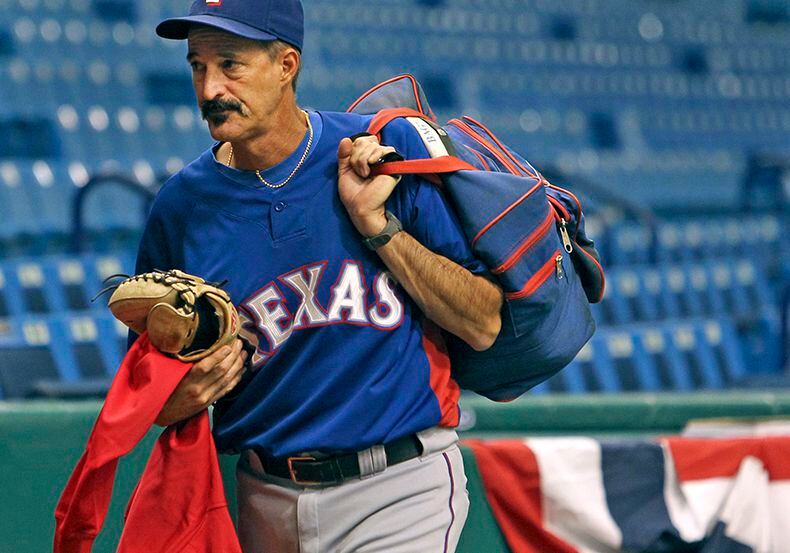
(462, 303)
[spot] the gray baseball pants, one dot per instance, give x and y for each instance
(417, 506)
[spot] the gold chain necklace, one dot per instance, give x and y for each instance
(298, 165)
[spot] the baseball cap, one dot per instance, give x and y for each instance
(253, 19)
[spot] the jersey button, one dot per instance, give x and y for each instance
(279, 206)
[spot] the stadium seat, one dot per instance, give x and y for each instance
(635, 368)
(72, 281)
(695, 356)
(29, 353)
(27, 290)
(591, 371)
(670, 371)
(572, 378)
(93, 343)
(720, 336)
(614, 307)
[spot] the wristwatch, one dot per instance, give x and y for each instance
(392, 228)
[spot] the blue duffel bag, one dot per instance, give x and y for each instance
(528, 232)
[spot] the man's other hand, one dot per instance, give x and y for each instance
(207, 381)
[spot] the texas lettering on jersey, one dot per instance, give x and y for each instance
(266, 312)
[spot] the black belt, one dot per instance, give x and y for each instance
(310, 471)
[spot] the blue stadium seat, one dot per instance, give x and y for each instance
(81, 278)
(694, 353)
(613, 307)
(669, 372)
(627, 288)
(101, 267)
(27, 291)
(654, 302)
(632, 363)
(744, 290)
(670, 243)
(684, 293)
(93, 344)
(572, 378)
(49, 192)
(22, 216)
(629, 244)
(68, 274)
(31, 352)
(592, 370)
(721, 338)
(59, 355)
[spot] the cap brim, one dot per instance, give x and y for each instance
(177, 28)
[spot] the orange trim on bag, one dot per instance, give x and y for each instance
(537, 280)
(503, 148)
(559, 207)
(480, 157)
(386, 116)
(528, 242)
(600, 270)
(390, 81)
(499, 217)
(466, 129)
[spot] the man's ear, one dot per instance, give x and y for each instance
(290, 61)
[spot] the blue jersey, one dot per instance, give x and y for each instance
(344, 358)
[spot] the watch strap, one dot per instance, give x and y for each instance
(392, 228)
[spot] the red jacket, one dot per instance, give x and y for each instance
(179, 504)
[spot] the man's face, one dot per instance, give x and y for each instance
(238, 86)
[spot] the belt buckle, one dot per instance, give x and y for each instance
(292, 471)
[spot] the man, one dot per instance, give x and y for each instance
(345, 418)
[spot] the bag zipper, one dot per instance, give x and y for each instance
(538, 279)
(526, 245)
(560, 271)
(566, 239)
(562, 207)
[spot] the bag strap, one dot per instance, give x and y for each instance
(386, 116)
(438, 165)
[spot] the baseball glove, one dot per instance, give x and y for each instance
(185, 316)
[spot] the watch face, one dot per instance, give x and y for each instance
(380, 240)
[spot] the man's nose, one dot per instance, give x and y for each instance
(213, 85)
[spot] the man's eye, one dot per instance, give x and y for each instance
(229, 64)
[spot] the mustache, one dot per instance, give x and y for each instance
(216, 110)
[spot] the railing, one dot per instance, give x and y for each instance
(78, 204)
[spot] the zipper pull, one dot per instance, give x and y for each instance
(560, 272)
(566, 238)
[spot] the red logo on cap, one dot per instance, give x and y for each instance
(214, 2)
